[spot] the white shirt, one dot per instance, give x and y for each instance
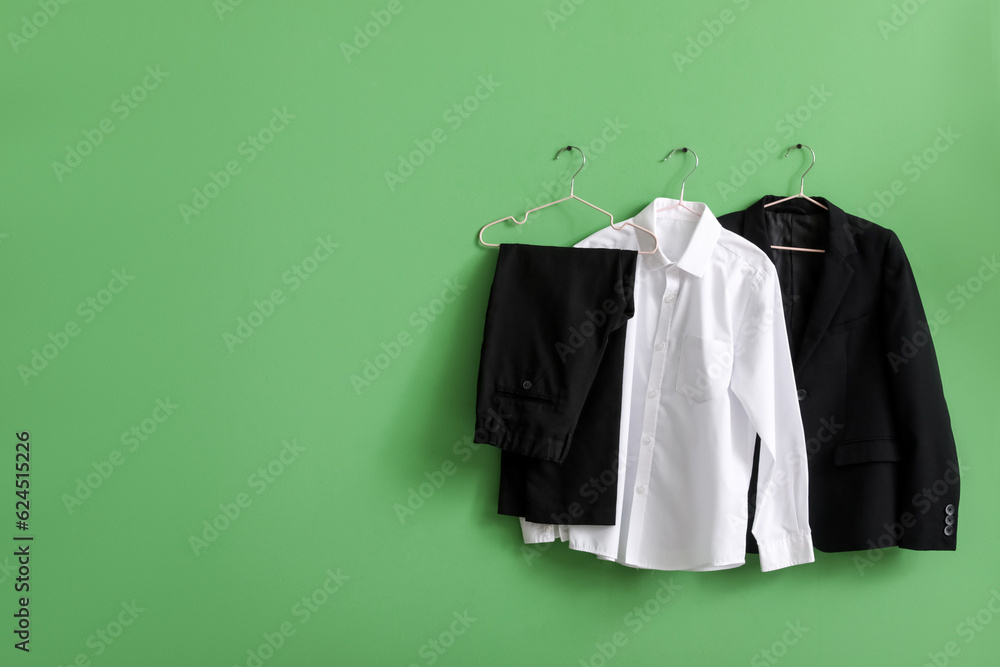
(707, 366)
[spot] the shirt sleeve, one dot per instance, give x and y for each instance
(764, 382)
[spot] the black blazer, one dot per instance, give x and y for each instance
(882, 464)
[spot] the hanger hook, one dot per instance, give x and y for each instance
(802, 181)
(572, 180)
(685, 149)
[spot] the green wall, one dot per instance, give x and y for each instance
(215, 214)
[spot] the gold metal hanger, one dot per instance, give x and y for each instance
(800, 195)
(571, 195)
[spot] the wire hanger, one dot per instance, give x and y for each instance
(571, 195)
(802, 181)
(680, 202)
(800, 195)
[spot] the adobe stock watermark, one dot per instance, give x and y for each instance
(901, 14)
(635, 620)
(964, 292)
(370, 30)
(913, 169)
(106, 635)
(259, 481)
(436, 478)
(247, 151)
(921, 503)
(131, 440)
(795, 467)
(87, 310)
(779, 649)
(417, 496)
(563, 11)
(436, 647)
(294, 277)
(968, 629)
(6, 569)
(786, 126)
(224, 7)
(697, 44)
(454, 117)
(716, 367)
(464, 449)
(795, 463)
(121, 108)
(302, 611)
(590, 492)
(31, 24)
(592, 322)
(420, 320)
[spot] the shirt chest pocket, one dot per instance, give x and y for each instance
(705, 367)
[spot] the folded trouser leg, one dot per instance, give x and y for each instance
(549, 391)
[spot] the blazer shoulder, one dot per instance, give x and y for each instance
(732, 221)
(868, 234)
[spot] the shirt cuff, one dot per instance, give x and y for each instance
(538, 533)
(793, 550)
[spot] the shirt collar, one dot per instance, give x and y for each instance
(695, 256)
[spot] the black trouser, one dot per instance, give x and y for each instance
(550, 379)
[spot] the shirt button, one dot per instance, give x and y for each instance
(669, 297)
(646, 440)
(653, 394)
(641, 489)
(949, 509)
(659, 346)
(801, 393)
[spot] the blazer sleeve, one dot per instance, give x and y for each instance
(928, 482)
(764, 382)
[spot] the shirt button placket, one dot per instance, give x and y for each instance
(657, 371)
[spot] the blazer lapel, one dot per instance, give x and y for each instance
(837, 270)
(837, 274)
